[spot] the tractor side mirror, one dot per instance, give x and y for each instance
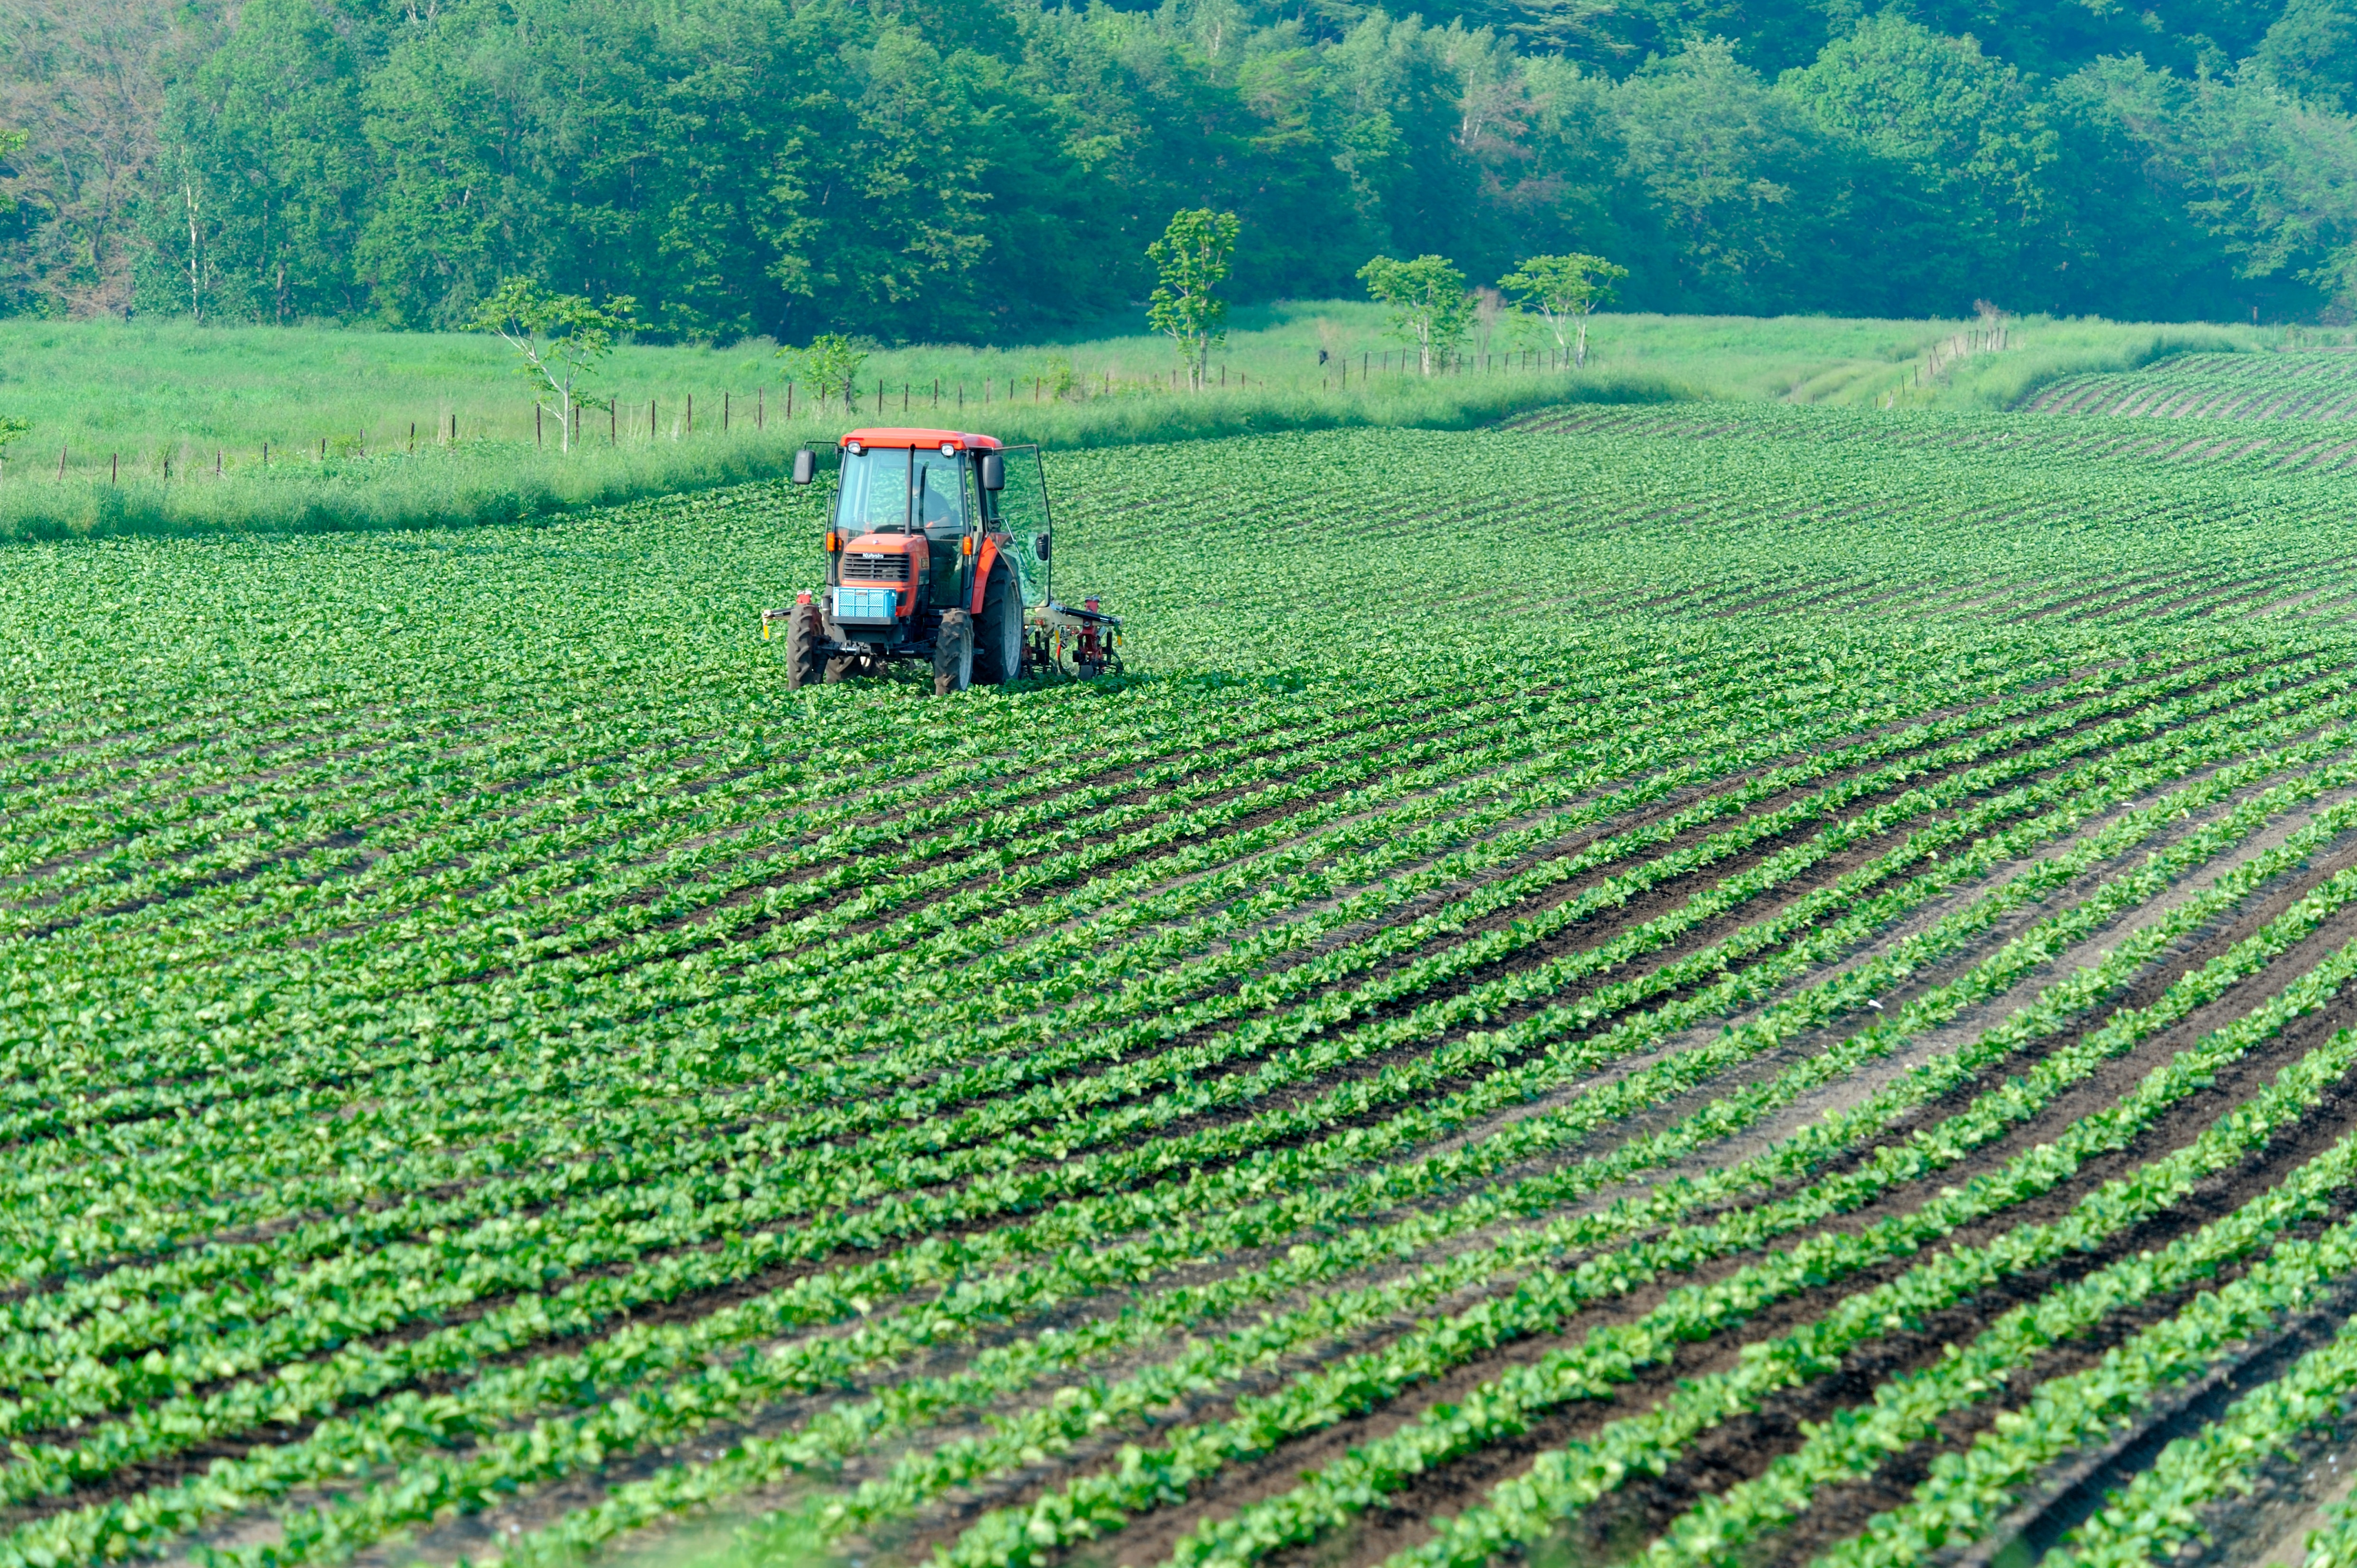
(1039, 547)
(993, 471)
(805, 465)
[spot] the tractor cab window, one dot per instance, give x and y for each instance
(874, 493)
(937, 495)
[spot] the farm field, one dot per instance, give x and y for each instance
(2318, 385)
(170, 427)
(1741, 985)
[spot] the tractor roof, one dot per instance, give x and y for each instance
(890, 438)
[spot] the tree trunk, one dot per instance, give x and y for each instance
(1579, 355)
(196, 294)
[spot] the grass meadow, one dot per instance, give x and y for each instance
(173, 426)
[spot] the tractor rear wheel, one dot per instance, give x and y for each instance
(998, 635)
(843, 666)
(954, 653)
(804, 634)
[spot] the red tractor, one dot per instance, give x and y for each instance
(938, 550)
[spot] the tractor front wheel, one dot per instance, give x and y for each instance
(954, 653)
(805, 633)
(998, 635)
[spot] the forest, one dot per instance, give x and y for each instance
(981, 170)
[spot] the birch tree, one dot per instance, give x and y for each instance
(1193, 256)
(1429, 306)
(1564, 288)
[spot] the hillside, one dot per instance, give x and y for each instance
(989, 170)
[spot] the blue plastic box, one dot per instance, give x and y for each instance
(866, 605)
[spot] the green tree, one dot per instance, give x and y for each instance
(1193, 257)
(1429, 306)
(2270, 177)
(2312, 50)
(265, 174)
(560, 337)
(10, 142)
(830, 362)
(1563, 288)
(1973, 192)
(1733, 173)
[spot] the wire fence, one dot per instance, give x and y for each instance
(616, 420)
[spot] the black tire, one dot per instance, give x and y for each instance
(998, 634)
(954, 653)
(843, 666)
(804, 635)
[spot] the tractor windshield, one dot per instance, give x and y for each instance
(874, 497)
(890, 490)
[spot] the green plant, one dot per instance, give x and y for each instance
(829, 363)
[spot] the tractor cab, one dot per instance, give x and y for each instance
(937, 548)
(887, 497)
